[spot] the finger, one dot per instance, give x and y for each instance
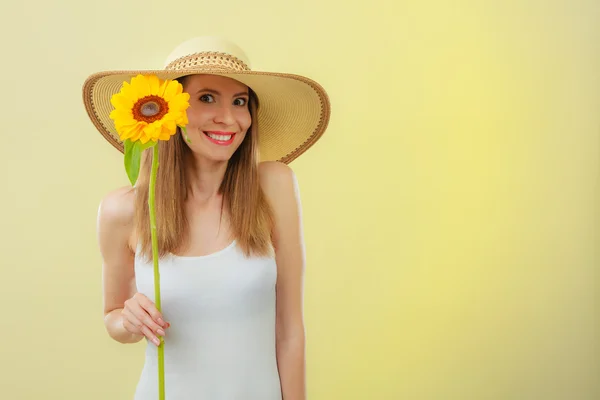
(134, 327)
(128, 320)
(145, 319)
(132, 312)
(138, 309)
(151, 309)
(148, 333)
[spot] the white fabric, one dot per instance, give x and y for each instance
(221, 343)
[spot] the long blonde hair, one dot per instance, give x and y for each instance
(251, 216)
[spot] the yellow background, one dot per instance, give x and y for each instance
(451, 210)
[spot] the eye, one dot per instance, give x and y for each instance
(240, 102)
(206, 98)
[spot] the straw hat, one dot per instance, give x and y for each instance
(294, 110)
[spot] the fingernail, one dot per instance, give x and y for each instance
(160, 332)
(156, 342)
(161, 322)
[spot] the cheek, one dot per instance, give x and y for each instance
(245, 120)
(197, 115)
(192, 117)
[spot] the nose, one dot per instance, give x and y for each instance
(224, 115)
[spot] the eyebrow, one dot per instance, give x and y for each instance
(245, 93)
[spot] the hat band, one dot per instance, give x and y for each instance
(208, 60)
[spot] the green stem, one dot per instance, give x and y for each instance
(152, 205)
(187, 138)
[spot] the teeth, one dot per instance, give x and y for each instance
(223, 138)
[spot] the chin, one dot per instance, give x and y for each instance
(215, 156)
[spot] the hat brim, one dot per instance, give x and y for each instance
(293, 114)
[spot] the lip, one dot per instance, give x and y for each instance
(220, 142)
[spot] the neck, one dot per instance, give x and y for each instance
(205, 178)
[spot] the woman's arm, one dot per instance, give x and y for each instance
(114, 227)
(280, 186)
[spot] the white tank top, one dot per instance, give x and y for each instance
(221, 343)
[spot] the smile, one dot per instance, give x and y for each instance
(220, 138)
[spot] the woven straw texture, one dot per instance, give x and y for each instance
(293, 114)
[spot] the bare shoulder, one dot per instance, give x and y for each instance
(276, 177)
(280, 186)
(116, 213)
(117, 206)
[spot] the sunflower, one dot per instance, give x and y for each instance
(149, 109)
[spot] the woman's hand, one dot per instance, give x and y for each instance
(141, 317)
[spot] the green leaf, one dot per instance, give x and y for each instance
(187, 138)
(133, 157)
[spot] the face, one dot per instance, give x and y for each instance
(218, 116)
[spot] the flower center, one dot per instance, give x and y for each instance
(150, 109)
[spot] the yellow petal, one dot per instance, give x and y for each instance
(119, 114)
(129, 92)
(169, 127)
(181, 119)
(126, 123)
(164, 136)
(116, 100)
(154, 84)
(136, 134)
(173, 114)
(173, 89)
(141, 86)
(126, 132)
(161, 129)
(163, 86)
(183, 97)
(165, 132)
(122, 101)
(124, 87)
(153, 130)
(178, 105)
(143, 139)
(139, 130)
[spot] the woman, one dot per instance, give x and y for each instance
(229, 230)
